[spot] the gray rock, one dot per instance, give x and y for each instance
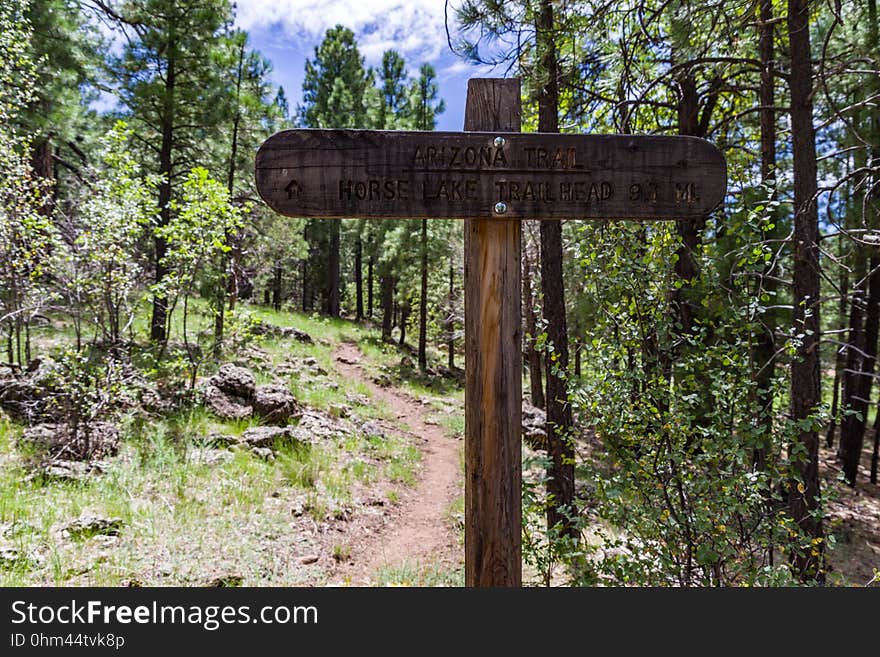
(224, 581)
(234, 380)
(299, 336)
(93, 440)
(265, 328)
(16, 528)
(209, 456)
(219, 440)
(90, 525)
(10, 557)
(274, 404)
(257, 437)
(26, 397)
(225, 405)
(264, 453)
(61, 470)
(372, 430)
(357, 399)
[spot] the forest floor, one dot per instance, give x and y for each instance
(370, 494)
(853, 520)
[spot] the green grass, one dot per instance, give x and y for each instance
(410, 574)
(186, 521)
(453, 424)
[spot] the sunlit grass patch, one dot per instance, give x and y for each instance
(411, 574)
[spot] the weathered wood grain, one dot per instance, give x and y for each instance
(493, 368)
(369, 173)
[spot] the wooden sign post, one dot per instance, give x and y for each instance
(493, 177)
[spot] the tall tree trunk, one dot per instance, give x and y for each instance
(277, 273)
(159, 320)
(404, 317)
(359, 279)
(875, 454)
(560, 448)
(840, 359)
(805, 386)
(450, 314)
(333, 271)
(370, 287)
(304, 273)
(872, 200)
(228, 284)
(852, 429)
(855, 336)
(387, 305)
(764, 350)
(423, 302)
(536, 386)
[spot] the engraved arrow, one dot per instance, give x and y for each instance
(293, 189)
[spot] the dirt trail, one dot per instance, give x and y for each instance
(417, 531)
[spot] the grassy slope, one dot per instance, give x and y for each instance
(190, 522)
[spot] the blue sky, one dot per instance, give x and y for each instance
(287, 31)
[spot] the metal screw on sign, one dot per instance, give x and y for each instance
(500, 207)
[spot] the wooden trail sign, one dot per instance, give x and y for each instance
(493, 177)
(371, 173)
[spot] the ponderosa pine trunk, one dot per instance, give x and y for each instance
(560, 448)
(227, 285)
(450, 315)
(764, 351)
(333, 270)
(358, 280)
(277, 278)
(370, 287)
(840, 359)
(159, 319)
(852, 429)
(803, 495)
(387, 305)
(404, 318)
(423, 301)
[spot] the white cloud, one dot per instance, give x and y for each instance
(416, 28)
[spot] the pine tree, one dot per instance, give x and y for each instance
(424, 105)
(335, 96)
(173, 92)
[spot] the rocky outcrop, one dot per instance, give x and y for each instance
(232, 394)
(234, 380)
(274, 404)
(271, 330)
(87, 526)
(96, 440)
